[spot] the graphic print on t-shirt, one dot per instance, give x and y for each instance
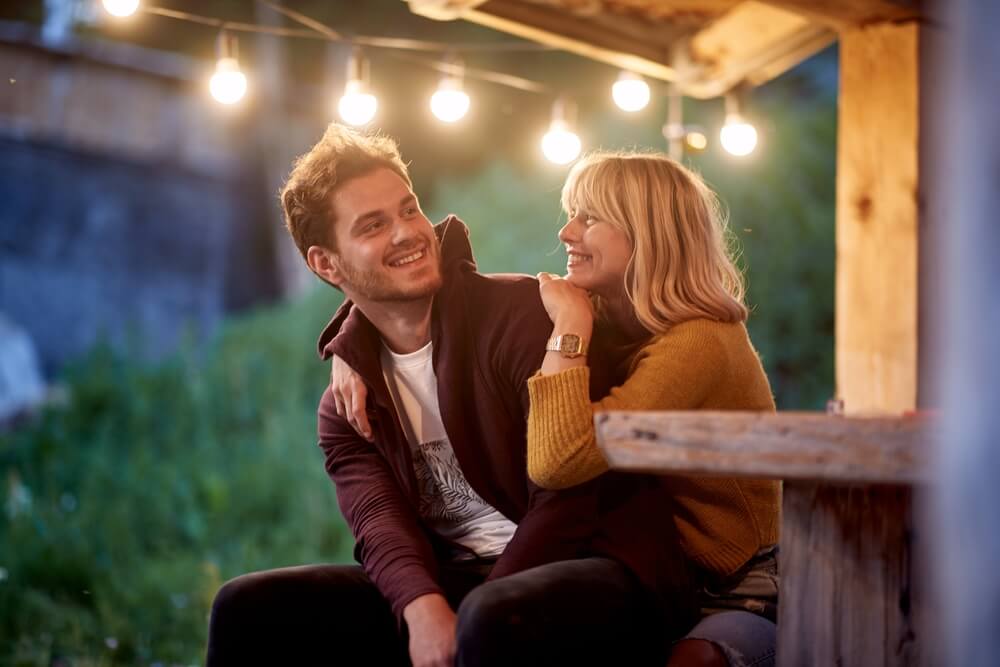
(447, 502)
(444, 492)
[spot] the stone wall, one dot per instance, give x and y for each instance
(132, 207)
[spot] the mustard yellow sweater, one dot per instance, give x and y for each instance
(696, 365)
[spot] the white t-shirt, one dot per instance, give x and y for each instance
(448, 504)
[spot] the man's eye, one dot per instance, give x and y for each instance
(410, 210)
(371, 227)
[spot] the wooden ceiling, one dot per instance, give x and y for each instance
(705, 46)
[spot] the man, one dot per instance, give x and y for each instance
(439, 501)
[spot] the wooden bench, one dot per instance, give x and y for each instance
(852, 589)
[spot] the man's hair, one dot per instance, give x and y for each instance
(341, 155)
(682, 265)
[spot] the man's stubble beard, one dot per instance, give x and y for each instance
(374, 285)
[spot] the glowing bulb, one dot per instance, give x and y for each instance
(696, 141)
(121, 8)
(449, 102)
(228, 84)
(560, 144)
(738, 137)
(630, 92)
(357, 106)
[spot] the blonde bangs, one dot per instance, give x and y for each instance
(682, 265)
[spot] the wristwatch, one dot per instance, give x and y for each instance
(570, 346)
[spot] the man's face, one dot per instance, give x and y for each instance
(386, 247)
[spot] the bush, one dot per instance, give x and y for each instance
(126, 509)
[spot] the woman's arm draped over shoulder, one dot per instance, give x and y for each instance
(676, 371)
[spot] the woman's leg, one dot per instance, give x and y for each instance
(740, 638)
(591, 611)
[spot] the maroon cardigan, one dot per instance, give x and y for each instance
(489, 336)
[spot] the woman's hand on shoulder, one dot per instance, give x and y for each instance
(565, 302)
(349, 396)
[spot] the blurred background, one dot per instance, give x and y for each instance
(158, 373)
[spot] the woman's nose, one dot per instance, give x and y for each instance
(570, 231)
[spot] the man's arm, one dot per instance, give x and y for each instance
(390, 544)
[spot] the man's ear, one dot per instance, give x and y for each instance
(323, 262)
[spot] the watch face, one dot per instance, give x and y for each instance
(570, 343)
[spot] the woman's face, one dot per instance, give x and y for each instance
(597, 252)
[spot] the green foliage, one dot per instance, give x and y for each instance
(125, 509)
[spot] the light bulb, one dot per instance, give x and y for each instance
(738, 137)
(228, 84)
(560, 144)
(449, 102)
(121, 8)
(357, 106)
(630, 92)
(696, 141)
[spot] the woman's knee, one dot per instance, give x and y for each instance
(697, 653)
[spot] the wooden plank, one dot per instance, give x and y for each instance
(753, 42)
(877, 219)
(810, 446)
(632, 45)
(852, 583)
(850, 14)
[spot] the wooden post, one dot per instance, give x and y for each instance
(848, 582)
(877, 221)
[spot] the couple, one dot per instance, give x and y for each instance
(458, 431)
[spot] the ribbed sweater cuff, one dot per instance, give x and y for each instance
(561, 447)
(725, 559)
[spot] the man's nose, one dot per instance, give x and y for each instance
(404, 231)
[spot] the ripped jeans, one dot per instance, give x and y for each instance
(739, 615)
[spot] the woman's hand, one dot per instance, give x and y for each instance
(349, 394)
(568, 306)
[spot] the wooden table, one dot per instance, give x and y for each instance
(853, 587)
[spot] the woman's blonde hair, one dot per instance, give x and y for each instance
(682, 266)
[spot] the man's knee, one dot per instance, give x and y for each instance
(231, 598)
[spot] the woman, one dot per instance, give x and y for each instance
(648, 261)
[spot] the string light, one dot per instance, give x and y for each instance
(696, 141)
(228, 85)
(121, 8)
(449, 102)
(358, 105)
(738, 137)
(560, 144)
(630, 92)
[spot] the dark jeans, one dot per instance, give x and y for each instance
(582, 612)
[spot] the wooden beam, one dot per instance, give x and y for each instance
(849, 14)
(753, 42)
(877, 219)
(809, 446)
(617, 41)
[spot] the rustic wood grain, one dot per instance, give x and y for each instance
(786, 445)
(848, 14)
(877, 219)
(741, 41)
(851, 590)
(753, 42)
